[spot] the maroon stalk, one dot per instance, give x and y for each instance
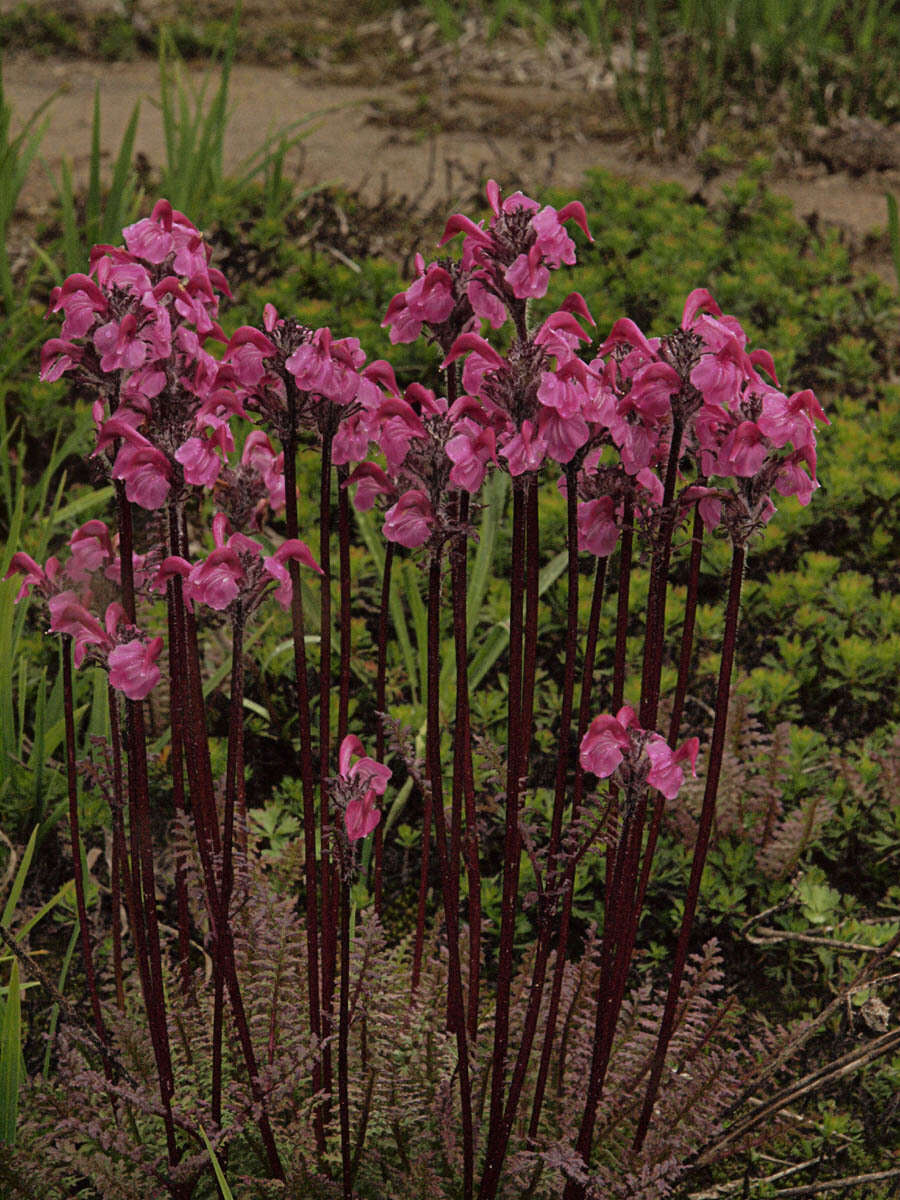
(235, 737)
(512, 839)
(456, 1008)
(344, 1023)
(328, 878)
(687, 631)
(177, 703)
(621, 649)
(547, 895)
(684, 666)
(659, 579)
(381, 702)
(532, 596)
(614, 963)
(346, 628)
(463, 777)
(562, 939)
(729, 640)
(75, 834)
(119, 868)
(419, 942)
(142, 869)
(307, 778)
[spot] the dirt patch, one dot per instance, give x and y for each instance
(400, 113)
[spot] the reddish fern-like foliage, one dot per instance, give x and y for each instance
(750, 802)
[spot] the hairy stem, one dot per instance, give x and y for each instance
(381, 703)
(569, 881)
(307, 773)
(512, 836)
(729, 640)
(448, 868)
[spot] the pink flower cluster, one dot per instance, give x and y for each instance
(129, 655)
(428, 448)
(358, 785)
(618, 746)
(133, 331)
(608, 421)
(736, 424)
(236, 569)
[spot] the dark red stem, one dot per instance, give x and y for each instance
(562, 938)
(687, 631)
(448, 868)
(75, 834)
(659, 580)
(345, 625)
(729, 641)
(512, 838)
(307, 773)
(380, 702)
(463, 776)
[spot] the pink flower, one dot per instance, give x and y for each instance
(327, 367)
(91, 549)
(527, 276)
(409, 521)
(81, 300)
(146, 473)
(364, 780)
(721, 375)
(168, 232)
(259, 453)
(792, 420)
(429, 299)
(370, 482)
(133, 669)
(202, 466)
(612, 741)
(652, 389)
(792, 479)
(68, 615)
(217, 580)
(57, 357)
(604, 745)
(665, 774)
(485, 304)
(598, 528)
(299, 552)
(470, 449)
(366, 770)
(744, 451)
(525, 451)
(361, 816)
(119, 345)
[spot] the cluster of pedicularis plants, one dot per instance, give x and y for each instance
(282, 1037)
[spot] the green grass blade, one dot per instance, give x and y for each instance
(78, 509)
(120, 201)
(11, 1070)
(495, 496)
(487, 654)
(92, 208)
(60, 987)
(894, 235)
(72, 246)
(65, 896)
(217, 1167)
(18, 883)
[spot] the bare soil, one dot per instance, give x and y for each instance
(395, 111)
